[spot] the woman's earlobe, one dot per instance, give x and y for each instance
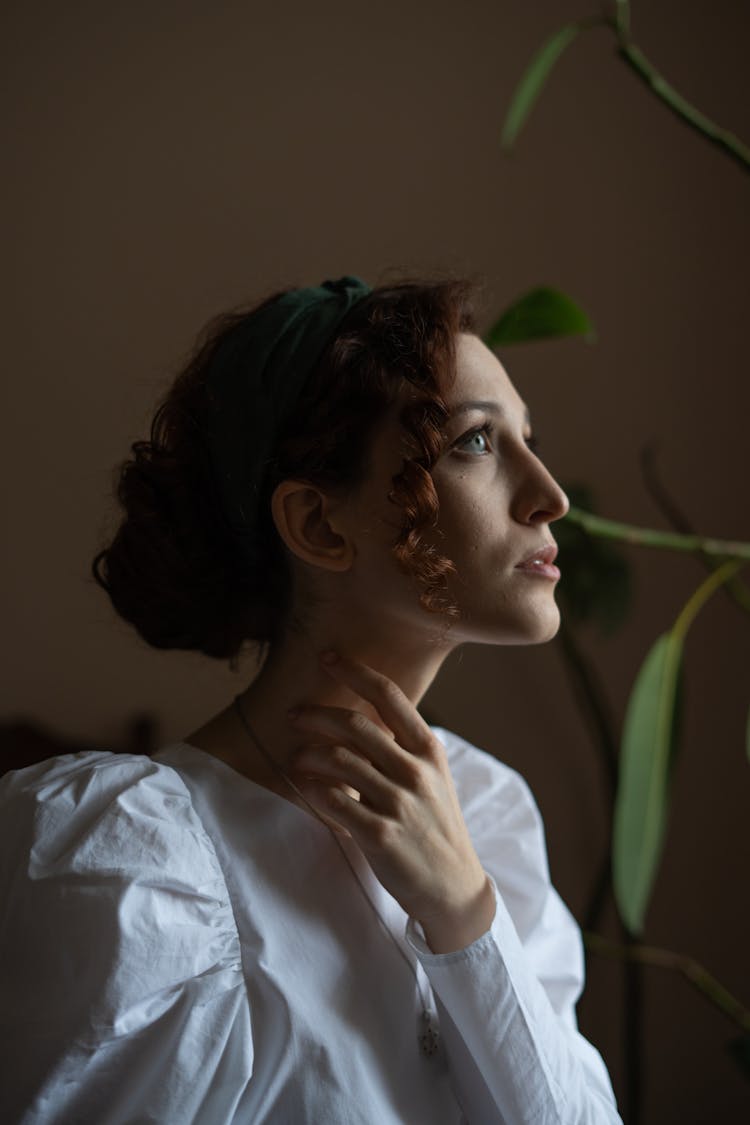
(305, 520)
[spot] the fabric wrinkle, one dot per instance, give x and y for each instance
(185, 945)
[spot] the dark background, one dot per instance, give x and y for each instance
(164, 161)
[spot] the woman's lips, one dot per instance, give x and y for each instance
(541, 562)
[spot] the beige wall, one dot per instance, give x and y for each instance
(165, 160)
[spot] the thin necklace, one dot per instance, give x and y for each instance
(428, 1036)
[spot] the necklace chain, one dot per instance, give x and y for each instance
(429, 1037)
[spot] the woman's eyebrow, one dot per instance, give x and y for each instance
(487, 405)
(465, 407)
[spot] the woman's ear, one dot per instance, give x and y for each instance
(306, 520)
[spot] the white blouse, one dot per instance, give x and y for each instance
(181, 945)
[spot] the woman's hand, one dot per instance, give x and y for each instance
(408, 822)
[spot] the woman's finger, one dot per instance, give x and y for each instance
(342, 765)
(317, 794)
(397, 711)
(355, 730)
(338, 807)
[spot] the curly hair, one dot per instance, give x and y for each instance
(173, 569)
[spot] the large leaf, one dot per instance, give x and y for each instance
(537, 315)
(650, 737)
(533, 80)
(648, 745)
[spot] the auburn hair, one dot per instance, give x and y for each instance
(173, 569)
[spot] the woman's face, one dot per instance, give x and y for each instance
(497, 501)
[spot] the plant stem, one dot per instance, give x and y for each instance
(633, 1036)
(595, 708)
(600, 895)
(697, 600)
(622, 16)
(638, 62)
(735, 589)
(667, 540)
(593, 702)
(691, 969)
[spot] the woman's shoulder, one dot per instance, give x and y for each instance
(80, 774)
(119, 942)
(99, 810)
(107, 870)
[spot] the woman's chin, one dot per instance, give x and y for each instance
(542, 630)
(527, 628)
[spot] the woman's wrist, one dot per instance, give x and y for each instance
(455, 929)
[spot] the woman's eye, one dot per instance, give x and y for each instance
(477, 442)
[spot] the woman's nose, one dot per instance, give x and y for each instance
(539, 498)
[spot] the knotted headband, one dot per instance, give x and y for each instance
(256, 378)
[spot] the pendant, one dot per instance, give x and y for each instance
(429, 1037)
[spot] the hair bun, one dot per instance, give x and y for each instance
(172, 571)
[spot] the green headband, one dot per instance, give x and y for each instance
(256, 377)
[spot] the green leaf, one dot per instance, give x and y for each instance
(649, 741)
(648, 746)
(539, 314)
(532, 81)
(596, 584)
(739, 1049)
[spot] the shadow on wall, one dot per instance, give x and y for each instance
(24, 743)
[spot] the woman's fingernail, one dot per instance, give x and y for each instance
(329, 657)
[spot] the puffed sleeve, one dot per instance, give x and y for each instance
(123, 997)
(507, 1001)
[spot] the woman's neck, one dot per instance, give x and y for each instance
(293, 675)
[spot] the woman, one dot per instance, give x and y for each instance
(316, 908)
